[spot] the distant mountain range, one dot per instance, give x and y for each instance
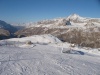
(74, 18)
(55, 26)
(59, 25)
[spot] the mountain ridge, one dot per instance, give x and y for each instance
(58, 21)
(6, 30)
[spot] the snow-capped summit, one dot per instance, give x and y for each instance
(77, 18)
(72, 20)
(74, 16)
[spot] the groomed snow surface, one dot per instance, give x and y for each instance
(46, 55)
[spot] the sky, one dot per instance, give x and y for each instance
(22, 11)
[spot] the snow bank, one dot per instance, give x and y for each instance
(47, 38)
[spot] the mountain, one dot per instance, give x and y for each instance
(4, 34)
(68, 29)
(59, 24)
(78, 19)
(6, 30)
(75, 16)
(6, 26)
(72, 20)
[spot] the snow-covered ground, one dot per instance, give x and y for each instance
(46, 38)
(46, 57)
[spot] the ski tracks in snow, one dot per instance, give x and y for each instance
(46, 60)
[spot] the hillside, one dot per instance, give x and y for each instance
(4, 34)
(6, 26)
(6, 30)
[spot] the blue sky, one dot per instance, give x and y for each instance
(18, 11)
